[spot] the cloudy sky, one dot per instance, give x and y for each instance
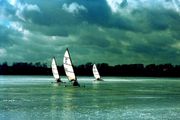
(110, 31)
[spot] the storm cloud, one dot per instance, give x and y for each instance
(112, 31)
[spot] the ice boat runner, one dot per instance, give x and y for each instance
(96, 73)
(55, 71)
(68, 67)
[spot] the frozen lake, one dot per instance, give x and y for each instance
(117, 98)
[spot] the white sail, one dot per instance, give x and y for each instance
(67, 63)
(54, 69)
(95, 72)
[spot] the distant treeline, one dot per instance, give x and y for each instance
(151, 70)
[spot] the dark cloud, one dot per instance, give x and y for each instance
(92, 30)
(162, 20)
(95, 41)
(4, 36)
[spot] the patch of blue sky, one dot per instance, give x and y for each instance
(4, 22)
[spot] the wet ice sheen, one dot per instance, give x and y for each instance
(35, 97)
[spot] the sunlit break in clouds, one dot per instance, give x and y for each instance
(98, 31)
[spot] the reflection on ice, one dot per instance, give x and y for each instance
(35, 97)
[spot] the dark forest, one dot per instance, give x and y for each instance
(139, 70)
